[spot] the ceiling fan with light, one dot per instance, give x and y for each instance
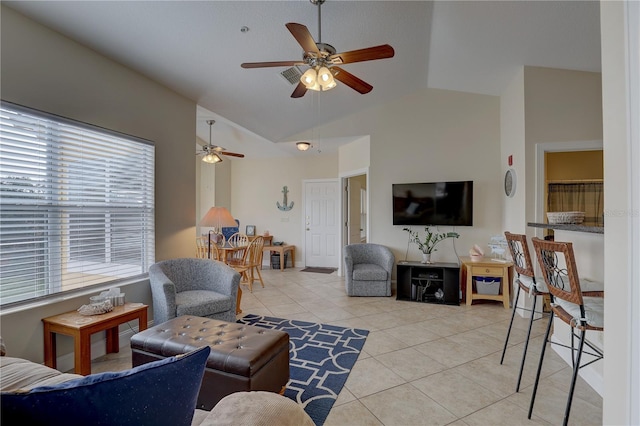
(212, 153)
(323, 61)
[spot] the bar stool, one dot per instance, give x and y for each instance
(526, 281)
(581, 308)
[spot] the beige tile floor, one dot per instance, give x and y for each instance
(422, 364)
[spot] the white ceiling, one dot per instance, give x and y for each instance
(196, 48)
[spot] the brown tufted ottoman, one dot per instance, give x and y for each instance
(243, 357)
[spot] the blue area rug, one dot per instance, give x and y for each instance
(320, 359)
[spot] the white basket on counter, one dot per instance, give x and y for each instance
(565, 217)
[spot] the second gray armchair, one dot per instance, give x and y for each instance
(368, 269)
(199, 287)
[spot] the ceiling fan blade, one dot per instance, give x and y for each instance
(303, 36)
(231, 154)
(351, 80)
(369, 54)
(271, 64)
(299, 91)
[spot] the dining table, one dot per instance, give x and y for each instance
(226, 250)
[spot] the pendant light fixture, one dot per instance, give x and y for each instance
(303, 146)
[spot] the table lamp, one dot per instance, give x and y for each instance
(216, 218)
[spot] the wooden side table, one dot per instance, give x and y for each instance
(486, 267)
(267, 240)
(81, 327)
(282, 250)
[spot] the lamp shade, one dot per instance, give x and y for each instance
(217, 217)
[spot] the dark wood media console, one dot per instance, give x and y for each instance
(429, 282)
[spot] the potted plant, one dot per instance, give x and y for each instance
(427, 245)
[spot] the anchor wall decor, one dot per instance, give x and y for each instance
(284, 206)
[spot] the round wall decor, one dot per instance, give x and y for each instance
(510, 183)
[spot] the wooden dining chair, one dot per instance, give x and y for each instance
(237, 240)
(202, 248)
(251, 262)
(216, 253)
(577, 302)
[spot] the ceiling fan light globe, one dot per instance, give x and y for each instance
(329, 85)
(309, 78)
(315, 87)
(211, 158)
(324, 75)
(325, 78)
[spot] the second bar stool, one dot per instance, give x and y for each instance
(574, 302)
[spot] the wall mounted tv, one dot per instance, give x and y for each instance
(433, 203)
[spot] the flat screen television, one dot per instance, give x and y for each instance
(433, 203)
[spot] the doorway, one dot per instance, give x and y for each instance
(542, 149)
(355, 200)
(321, 223)
(355, 209)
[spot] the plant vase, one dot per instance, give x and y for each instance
(427, 245)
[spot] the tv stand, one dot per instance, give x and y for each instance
(428, 282)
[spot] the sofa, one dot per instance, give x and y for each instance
(158, 393)
(368, 269)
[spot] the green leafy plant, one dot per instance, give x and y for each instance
(427, 245)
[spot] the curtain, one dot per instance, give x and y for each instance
(587, 197)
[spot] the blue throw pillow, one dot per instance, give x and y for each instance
(158, 393)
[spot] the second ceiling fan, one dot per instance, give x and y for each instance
(323, 61)
(211, 153)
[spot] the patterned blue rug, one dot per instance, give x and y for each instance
(321, 358)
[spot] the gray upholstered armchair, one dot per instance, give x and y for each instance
(368, 269)
(200, 287)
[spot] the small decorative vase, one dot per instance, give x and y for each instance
(426, 258)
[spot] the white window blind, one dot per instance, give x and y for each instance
(76, 205)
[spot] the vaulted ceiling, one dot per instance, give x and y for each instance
(196, 48)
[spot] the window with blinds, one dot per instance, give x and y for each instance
(76, 205)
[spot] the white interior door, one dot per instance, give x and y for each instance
(322, 223)
(353, 207)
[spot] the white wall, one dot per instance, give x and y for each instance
(560, 106)
(212, 188)
(44, 70)
(512, 142)
(256, 186)
(431, 135)
(354, 155)
(619, 303)
(222, 179)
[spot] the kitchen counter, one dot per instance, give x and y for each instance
(568, 227)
